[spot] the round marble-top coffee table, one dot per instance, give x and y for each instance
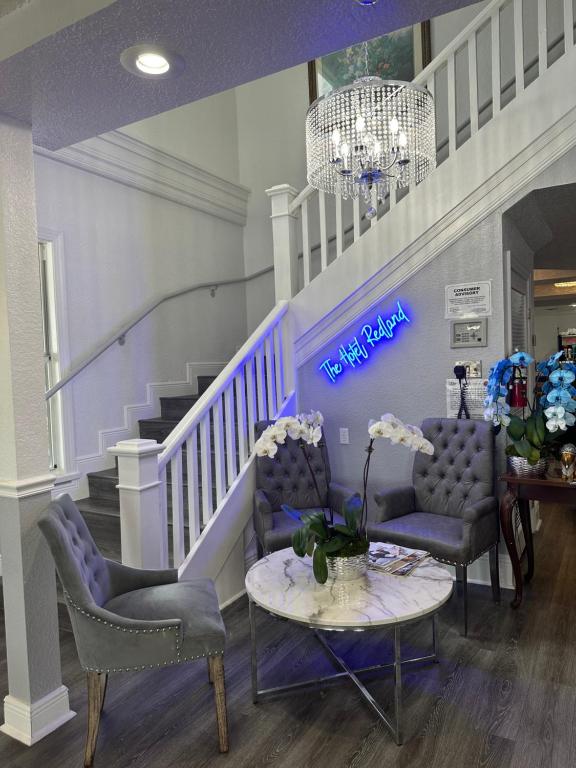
(283, 584)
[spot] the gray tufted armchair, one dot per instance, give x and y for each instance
(450, 508)
(286, 479)
(130, 619)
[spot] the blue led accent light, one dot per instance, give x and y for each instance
(358, 350)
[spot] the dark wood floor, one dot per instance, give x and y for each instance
(503, 698)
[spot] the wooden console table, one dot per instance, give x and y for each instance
(522, 490)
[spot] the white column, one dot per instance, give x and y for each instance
(37, 702)
(143, 531)
(284, 238)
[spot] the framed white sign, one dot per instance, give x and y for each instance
(468, 300)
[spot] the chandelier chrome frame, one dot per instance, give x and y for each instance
(370, 135)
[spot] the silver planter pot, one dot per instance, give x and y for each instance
(347, 568)
(521, 467)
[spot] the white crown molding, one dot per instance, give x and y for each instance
(126, 160)
(29, 486)
(420, 241)
(29, 723)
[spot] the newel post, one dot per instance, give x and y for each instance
(142, 528)
(284, 239)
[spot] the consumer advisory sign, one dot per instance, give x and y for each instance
(468, 300)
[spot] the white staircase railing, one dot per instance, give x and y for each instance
(320, 213)
(183, 483)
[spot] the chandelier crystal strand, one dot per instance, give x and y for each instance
(372, 133)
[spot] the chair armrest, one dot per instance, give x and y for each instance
(395, 501)
(123, 578)
(262, 514)
(474, 512)
(338, 495)
(108, 642)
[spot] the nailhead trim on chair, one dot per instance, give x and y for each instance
(469, 562)
(179, 659)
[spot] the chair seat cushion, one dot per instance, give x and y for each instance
(440, 535)
(194, 602)
(283, 526)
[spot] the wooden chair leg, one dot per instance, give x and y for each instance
(95, 702)
(495, 573)
(465, 597)
(103, 689)
(216, 665)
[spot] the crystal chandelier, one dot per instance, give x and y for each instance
(371, 135)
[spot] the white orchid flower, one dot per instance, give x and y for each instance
(265, 447)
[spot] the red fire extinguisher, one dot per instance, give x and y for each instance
(518, 391)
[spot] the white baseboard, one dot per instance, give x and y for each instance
(232, 599)
(107, 438)
(29, 723)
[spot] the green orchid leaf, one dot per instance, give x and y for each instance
(334, 545)
(533, 431)
(516, 428)
(320, 565)
(523, 448)
(541, 426)
(511, 450)
(345, 531)
(300, 541)
(310, 545)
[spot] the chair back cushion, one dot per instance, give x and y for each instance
(80, 566)
(286, 478)
(460, 472)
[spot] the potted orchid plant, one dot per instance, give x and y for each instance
(539, 420)
(338, 548)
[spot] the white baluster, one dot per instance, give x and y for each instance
(542, 37)
(473, 83)
(323, 234)
(278, 365)
(270, 376)
(177, 509)
(206, 468)
(142, 520)
(284, 240)
(261, 383)
(339, 237)
(192, 476)
(219, 466)
(568, 25)
(451, 105)
(306, 252)
(164, 517)
(251, 395)
(240, 385)
(356, 214)
(496, 87)
(519, 45)
(230, 423)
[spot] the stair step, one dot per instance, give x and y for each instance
(156, 428)
(176, 407)
(204, 382)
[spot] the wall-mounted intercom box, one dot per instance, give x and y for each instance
(469, 333)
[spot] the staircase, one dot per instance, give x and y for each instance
(104, 498)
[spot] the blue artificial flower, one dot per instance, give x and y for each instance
(553, 359)
(546, 387)
(521, 358)
(542, 368)
(562, 377)
(570, 406)
(558, 396)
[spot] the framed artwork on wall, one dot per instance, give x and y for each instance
(399, 55)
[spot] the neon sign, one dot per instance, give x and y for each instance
(358, 350)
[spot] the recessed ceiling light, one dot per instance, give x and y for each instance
(566, 284)
(152, 61)
(366, 2)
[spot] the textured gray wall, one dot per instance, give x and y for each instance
(406, 376)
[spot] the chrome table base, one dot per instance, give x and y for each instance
(395, 725)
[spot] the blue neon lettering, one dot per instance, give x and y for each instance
(355, 352)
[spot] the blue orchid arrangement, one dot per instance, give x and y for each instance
(551, 412)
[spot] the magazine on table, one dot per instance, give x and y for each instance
(392, 558)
